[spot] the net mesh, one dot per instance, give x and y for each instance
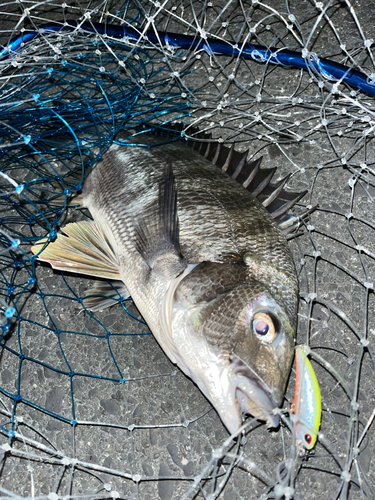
(90, 405)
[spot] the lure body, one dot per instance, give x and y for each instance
(307, 402)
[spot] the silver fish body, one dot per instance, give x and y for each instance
(213, 277)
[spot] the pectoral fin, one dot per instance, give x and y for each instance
(157, 241)
(82, 247)
(158, 230)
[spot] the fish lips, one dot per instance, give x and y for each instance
(247, 394)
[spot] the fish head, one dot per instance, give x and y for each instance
(236, 342)
(261, 354)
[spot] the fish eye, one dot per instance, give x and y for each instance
(264, 327)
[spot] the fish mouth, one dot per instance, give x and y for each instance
(249, 395)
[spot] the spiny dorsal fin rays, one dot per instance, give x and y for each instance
(208, 149)
(253, 172)
(255, 179)
(283, 209)
(158, 232)
(216, 155)
(240, 165)
(275, 193)
(82, 247)
(228, 160)
(268, 173)
(290, 222)
(258, 181)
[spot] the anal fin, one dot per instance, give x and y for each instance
(82, 247)
(104, 294)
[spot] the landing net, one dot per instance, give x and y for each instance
(90, 405)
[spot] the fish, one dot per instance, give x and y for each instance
(196, 235)
(307, 402)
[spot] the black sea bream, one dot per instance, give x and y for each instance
(206, 264)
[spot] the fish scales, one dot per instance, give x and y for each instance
(210, 205)
(220, 293)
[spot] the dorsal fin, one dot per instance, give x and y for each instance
(250, 175)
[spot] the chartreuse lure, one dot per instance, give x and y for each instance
(307, 402)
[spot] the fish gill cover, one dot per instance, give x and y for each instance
(90, 405)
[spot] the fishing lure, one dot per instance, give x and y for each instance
(307, 402)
